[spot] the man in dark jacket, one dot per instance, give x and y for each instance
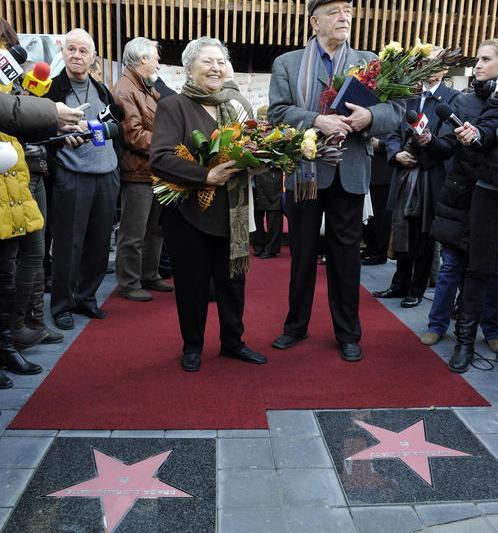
(86, 185)
(415, 187)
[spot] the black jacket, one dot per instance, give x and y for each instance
(487, 124)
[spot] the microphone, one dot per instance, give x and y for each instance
(98, 132)
(112, 113)
(8, 156)
(444, 112)
(38, 80)
(10, 63)
(418, 121)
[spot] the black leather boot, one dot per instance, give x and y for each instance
(9, 356)
(35, 316)
(22, 336)
(465, 329)
(5, 382)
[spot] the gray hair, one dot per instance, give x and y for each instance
(80, 33)
(193, 49)
(136, 49)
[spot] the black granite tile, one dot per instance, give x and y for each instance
(191, 468)
(401, 472)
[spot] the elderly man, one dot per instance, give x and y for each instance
(297, 80)
(140, 237)
(86, 185)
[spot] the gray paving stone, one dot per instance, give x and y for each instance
(190, 434)
(248, 488)
(84, 433)
(305, 487)
(23, 452)
(398, 519)
(480, 420)
(493, 520)
(30, 433)
(243, 433)
(257, 520)
(245, 453)
(6, 417)
(12, 484)
(491, 443)
(473, 525)
(294, 424)
(28, 382)
(151, 434)
(14, 398)
(431, 515)
(300, 453)
(313, 519)
(488, 507)
(4, 515)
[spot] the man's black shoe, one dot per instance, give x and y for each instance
(191, 362)
(287, 341)
(389, 293)
(5, 382)
(64, 320)
(244, 354)
(267, 255)
(90, 312)
(410, 301)
(351, 351)
(374, 260)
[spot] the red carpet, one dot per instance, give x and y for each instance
(124, 372)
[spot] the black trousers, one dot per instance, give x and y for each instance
(483, 252)
(271, 241)
(343, 221)
(83, 210)
(413, 268)
(377, 232)
(195, 258)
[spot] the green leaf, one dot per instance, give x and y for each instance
(200, 142)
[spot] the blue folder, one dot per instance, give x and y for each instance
(354, 92)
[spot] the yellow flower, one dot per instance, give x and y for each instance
(308, 148)
(353, 71)
(421, 49)
(310, 135)
(274, 136)
(392, 48)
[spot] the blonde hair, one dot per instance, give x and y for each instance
(490, 42)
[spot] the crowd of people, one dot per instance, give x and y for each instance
(434, 195)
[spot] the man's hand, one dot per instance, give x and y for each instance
(360, 118)
(221, 173)
(75, 141)
(406, 159)
(424, 138)
(467, 134)
(67, 115)
(333, 124)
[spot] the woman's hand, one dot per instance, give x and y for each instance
(467, 134)
(221, 173)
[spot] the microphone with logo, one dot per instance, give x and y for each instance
(112, 113)
(38, 80)
(444, 112)
(418, 121)
(98, 133)
(10, 64)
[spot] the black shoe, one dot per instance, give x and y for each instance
(465, 329)
(351, 351)
(257, 252)
(25, 337)
(52, 336)
(283, 342)
(90, 312)
(389, 293)
(410, 301)
(267, 255)
(64, 320)
(245, 354)
(14, 362)
(374, 260)
(191, 362)
(5, 382)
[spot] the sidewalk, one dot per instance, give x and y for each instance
(281, 480)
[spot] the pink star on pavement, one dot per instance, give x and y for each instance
(408, 445)
(119, 485)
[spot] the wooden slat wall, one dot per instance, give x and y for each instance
(452, 23)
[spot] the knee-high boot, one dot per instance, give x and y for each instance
(10, 358)
(23, 336)
(466, 330)
(34, 315)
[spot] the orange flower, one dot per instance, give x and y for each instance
(182, 151)
(215, 134)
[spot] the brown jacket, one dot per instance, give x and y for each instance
(139, 103)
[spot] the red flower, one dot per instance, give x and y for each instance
(326, 99)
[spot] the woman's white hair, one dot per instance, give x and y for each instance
(193, 49)
(136, 49)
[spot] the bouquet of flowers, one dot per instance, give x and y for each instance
(255, 145)
(398, 73)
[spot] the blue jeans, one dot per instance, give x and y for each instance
(449, 280)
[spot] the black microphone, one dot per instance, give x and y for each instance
(112, 113)
(18, 53)
(108, 129)
(444, 112)
(411, 116)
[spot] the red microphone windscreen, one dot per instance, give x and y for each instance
(41, 71)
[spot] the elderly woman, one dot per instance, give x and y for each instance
(211, 242)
